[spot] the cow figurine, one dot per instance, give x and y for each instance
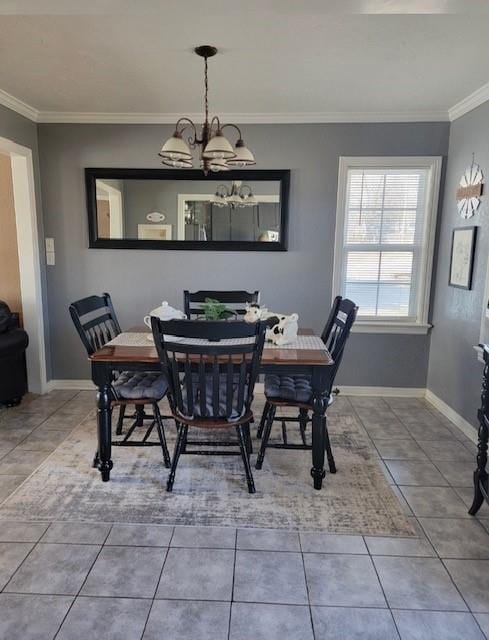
(282, 329)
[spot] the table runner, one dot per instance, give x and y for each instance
(133, 339)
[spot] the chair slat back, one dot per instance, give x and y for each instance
(211, 366)
(95, 320)
(345, 313)
(328, 327)
(234, 300)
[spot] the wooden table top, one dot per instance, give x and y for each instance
(117, 353)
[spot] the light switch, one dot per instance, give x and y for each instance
(49, 245)
(50, 258)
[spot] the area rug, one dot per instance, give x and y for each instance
(212, 490)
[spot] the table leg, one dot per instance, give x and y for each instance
(101, 377)
(318, 438)
(480, 474)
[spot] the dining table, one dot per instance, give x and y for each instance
(134, 350)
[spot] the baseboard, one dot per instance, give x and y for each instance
(400, 392)
(77, 385)
(452, 415)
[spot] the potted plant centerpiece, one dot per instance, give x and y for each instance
(215, 310)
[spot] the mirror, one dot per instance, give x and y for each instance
(171, 209)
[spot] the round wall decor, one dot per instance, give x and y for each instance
(155, 216)
(470, 191)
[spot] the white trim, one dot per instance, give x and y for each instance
(470, 102)
(465, 105)
(319, 117)
(391, 327)
(29, 260)
(434, 164)
(469, 430)
(13, 103)
(387, 392)
(484, 326)
(76, 385)
(322, 117)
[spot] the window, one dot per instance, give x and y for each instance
(384, 240)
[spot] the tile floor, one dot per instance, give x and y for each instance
(68, 581)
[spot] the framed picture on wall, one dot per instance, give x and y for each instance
(154, 231)
(462, 257)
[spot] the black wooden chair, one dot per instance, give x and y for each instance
(96, 322)
(211, 367)
(296, 391)
(325, 337)
(235, 301)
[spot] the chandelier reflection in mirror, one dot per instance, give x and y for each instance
(216, 152)
(236, 196)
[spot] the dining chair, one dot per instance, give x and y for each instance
(235, 300)
(296, 391)
(211, 368)
(96, 323)
(325, 337)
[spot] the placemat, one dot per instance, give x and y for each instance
(131, 339)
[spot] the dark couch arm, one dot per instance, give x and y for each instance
(14, 322)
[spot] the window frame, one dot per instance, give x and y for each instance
(433, 164)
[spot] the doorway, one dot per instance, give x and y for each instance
(21, 284)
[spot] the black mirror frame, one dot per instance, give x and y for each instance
(281, 175)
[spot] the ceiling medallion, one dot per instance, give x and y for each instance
(216, 152)
(470, 190)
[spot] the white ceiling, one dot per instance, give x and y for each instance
(281, 60)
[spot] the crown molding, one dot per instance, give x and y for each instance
(469, 103)
(82, 117)
(244, 118)
(13, 103)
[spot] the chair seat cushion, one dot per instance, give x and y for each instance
(290, 388)
(136, 385)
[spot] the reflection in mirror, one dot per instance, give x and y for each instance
(192, 210)
(110, 216)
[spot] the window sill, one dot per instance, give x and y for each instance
(391, 327)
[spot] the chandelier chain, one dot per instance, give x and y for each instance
(206, 89)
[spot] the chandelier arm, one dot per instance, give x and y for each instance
(189, 123)
(235, 126)
(192, 139)
(215, 120)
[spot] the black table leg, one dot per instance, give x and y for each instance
(318, 428)
(480, 474)
(102, 378)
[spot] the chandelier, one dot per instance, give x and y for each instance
(237, 196)
(216, 152)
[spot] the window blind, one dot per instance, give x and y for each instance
(384, 221)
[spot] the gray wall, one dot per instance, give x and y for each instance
(454, 371)
(22, 131)
(299, 280)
